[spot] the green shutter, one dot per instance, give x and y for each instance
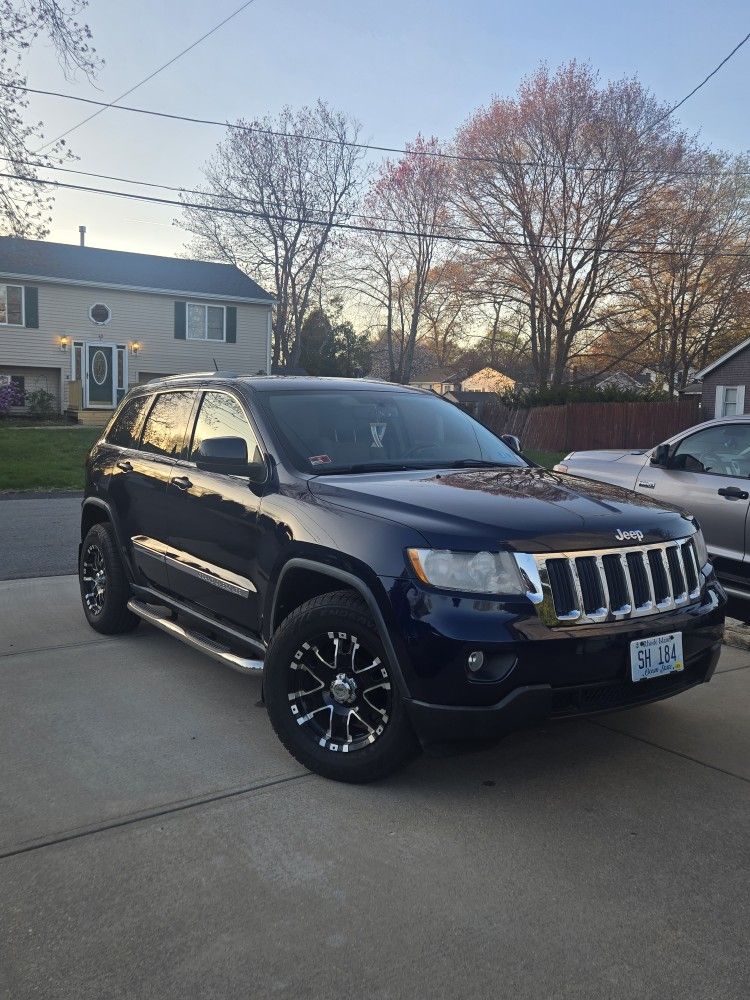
(231, 324)
(180, 320)
(31, 306)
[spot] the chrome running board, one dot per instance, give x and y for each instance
(197, 641)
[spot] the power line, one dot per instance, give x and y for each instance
(281, 217)
(240, 201)
(364, 146)
(703, 82)
(150, 76)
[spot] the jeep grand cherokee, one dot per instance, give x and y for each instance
(398, 574)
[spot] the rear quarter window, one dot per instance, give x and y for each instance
(126, 429)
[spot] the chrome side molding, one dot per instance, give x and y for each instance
(202, 643)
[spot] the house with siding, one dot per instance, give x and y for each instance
(723, 383)
(85, 324)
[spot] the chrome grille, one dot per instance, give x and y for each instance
(612, 584)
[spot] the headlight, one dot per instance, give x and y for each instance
(472, 572)
(700, 547)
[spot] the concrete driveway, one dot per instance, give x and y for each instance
(157, 841)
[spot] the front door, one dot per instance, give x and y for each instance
(214, 534)
(709, 475)
(100, 378)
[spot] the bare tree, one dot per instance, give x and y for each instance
(692, 290)
(290, 179)
(24, 208)
(407, 208)
(560, 179)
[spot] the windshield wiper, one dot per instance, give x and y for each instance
(479, 463)
(368, 467)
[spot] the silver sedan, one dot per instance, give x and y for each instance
(706, 470)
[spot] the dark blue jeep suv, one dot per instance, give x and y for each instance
(398, 573)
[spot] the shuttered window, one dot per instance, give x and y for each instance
(11, 305)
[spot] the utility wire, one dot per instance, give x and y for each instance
(703, 82)
(297, 220)
(146, 79)
(369, 147)
(447, 227)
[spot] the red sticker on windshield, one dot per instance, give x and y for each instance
(319, 459)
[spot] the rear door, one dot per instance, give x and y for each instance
(213, 527)
(138, 487)
(709, 475)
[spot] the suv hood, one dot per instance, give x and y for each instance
(527, 509)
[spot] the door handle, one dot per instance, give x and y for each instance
(125, 465)
(733, 493)
(182, 483)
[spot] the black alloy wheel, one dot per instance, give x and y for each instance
(105, 590)
(331, 692)
(339, 692)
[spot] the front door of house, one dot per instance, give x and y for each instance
(101, 376)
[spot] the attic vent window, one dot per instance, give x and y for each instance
(100, 314)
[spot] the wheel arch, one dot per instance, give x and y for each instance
(95, 510)
(326, 578)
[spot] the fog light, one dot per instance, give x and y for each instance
(476, 659)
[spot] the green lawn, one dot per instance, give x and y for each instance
(546, 458)
(42, 458)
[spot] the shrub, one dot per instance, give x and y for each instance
(9, 396)
(40, 402)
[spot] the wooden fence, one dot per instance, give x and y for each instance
(582, 426)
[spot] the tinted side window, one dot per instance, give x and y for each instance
(127, 427)
(221, 415)
(166, 424)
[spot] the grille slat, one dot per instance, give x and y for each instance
(662, 590)
(591, 584)
(563, 588)
(618, 588)
(638, 579)
(620, 583)
(675, 573)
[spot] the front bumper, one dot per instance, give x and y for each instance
(537, 672)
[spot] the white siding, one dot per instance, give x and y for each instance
(145, 317)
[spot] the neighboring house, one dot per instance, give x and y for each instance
(487, 380)
(85, 323)
(643, 381)
(723, 383)
(435, 379)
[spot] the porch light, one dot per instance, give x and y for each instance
(64, 341)
(134, 347)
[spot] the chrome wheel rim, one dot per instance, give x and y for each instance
(94, 579)
(339, 692)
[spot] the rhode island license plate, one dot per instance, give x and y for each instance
(656, 655)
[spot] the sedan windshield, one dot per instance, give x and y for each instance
(326, 431)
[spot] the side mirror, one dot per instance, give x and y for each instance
(228, 455)
(512, 441)
(661, 455)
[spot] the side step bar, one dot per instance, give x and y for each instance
(200, 642)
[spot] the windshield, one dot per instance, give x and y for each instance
(325, 431)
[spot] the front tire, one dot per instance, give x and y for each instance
(105, 591)
(331, 694)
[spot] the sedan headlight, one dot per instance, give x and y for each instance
(700, 547)
(472, 572)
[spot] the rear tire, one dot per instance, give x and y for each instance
(331, 694)
(105, 590)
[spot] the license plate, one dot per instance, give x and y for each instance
(656, 655)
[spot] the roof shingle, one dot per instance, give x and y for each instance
(117, 268)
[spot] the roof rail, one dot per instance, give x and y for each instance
(183, 375)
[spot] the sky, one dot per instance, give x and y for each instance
(399, 66)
